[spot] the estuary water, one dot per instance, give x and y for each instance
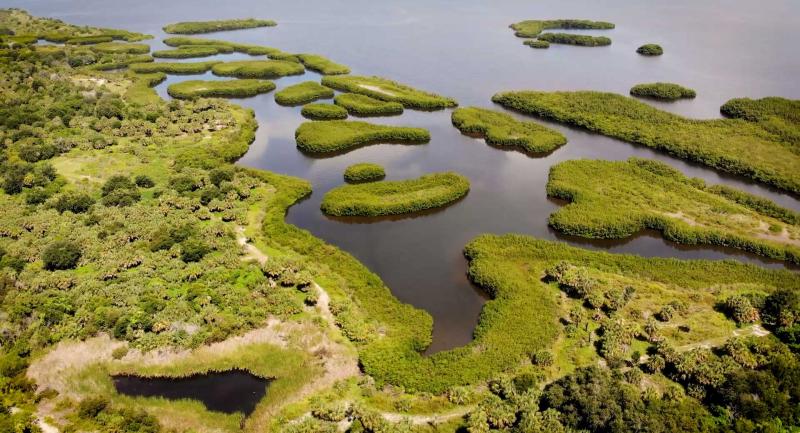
(464, 49)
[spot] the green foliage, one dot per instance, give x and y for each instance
(119, 191)
(194, 27)
(639, 193)
(120, 48)
(760, 150)
(190, 52)
(532, 28)
(390, 91)
(322, 65)
(362, 105)
(88, 40)
(573, 39)
(144, 181)
(302, 93)
(668, 91)
(74, 202)
(500, 129)
(536, 43)
(223, 46)
(395, 197)
(756, 110)
(323, 112)
(340, 135)
(364, 172)
(219, 88)
(173, 68)
(650, 50)
(258, 69)
(61, 255)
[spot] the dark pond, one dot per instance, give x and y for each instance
(464, 49)
(230, 391)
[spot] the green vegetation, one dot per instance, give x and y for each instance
(223, 46)
(642, 193)
(191, 51)
(20, 26)
(667, 91)
(500, 129)
(573, 39)
(650, 50)
(89, 40)
(772, 110)
(364, 172)
(189, 68)
(363, 105)
(760, 149)
(258, 69)
(193, 27)
(536, 43)
(302, 93)
(532, 28)
(323, 112)
(322, 65)
(340, 135)
(390, 91)
(121, 48)
(393, 197)
(219, 89)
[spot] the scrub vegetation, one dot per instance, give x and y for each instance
(650, 50)
(389, 91)
(258, 69)
(641, 193)
(573, 39)
(320, 64)
(323, 112)
(532, 28)
(303, 93)
(500, 129)
(21, 24)
(121, 48)
(192, 51)
(761, 149)
(341, 135)
(253, 50)
(666, 91)
(177, 68)
(194, 27)
(366, 106)
(219, 89)
(393, 197)
(364, 172)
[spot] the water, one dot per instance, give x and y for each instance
(229, 392)
(464, 49)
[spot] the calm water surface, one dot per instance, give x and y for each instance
(464, 49)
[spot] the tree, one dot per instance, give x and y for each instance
(61, 255)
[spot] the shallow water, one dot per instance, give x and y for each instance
(463, 49)
(230, 391)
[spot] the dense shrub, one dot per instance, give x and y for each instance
(500, 129)
(532, 28)
(219, 88)
(74, 202)
(362, 105)
(536, 43)
(668, 91)
(650, 50)
(192, 250)
(390, 91)
(119, 191)
(340, 135)
(573, 39)
(61, 255)
(144, 181)
(323, 112)
(364, 172)
(302, 93)
(194, 27)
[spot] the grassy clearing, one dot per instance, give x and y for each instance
(364, 106)
(364, 172)
(120, 48)
(253, 50)
(394, 197)
(191, 52)
(219, 89)
(390, 91)
(339, 135)
(762, 149)
(532, 28)
(323, 65)
(650, 50)
(665, 91)
(500, 129)
(323, 112)
(573, 39)
(177, 68)
(258, 69)
(640, 193)
(194, 27)
(302, 93)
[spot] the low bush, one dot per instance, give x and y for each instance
(302, 93)
(323, 112)
(219, 88)
(189, 52)
(194, 27)
(364, 172)
(650, 50)
(667, 91)
(119, 191)
(363, 105)
(144, 181)
(258, 69)
(536, 43)
(395, 197)
(173, 67)
(500, 129)
(573, 39)
(73, 201)
(761, 150)
(341, 135)
(322, 65)
(532, 28)
(387, 90)
(61, 255)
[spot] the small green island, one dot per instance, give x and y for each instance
(364, 172)
(318, 111)
(536, 43)
(389, 91)
(573, 39)
(650, 50)
(340, 135)
(253, 50)
(120, 48)
(303, 93)
(322, 64)
(367, 106)
(194, 27)
(664, 91)
(395, 197)
(191, 51)
(535, 29)
(219, 88)
(176, 68)
(500, 129)
(258, 69)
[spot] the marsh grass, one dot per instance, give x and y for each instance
(323, 65)
(340, 135)
(186, 52)
(650, 50)
(194, 27)
(177, 68)
(258, 69)
(366, 106)
(500, 129)
(390, 91)
(532, 28)
(120, 48)
(364, 172)
(253, 50)
(664, 91)
(573, 39)
(219, 88)
(302, 93)
(323, 112)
